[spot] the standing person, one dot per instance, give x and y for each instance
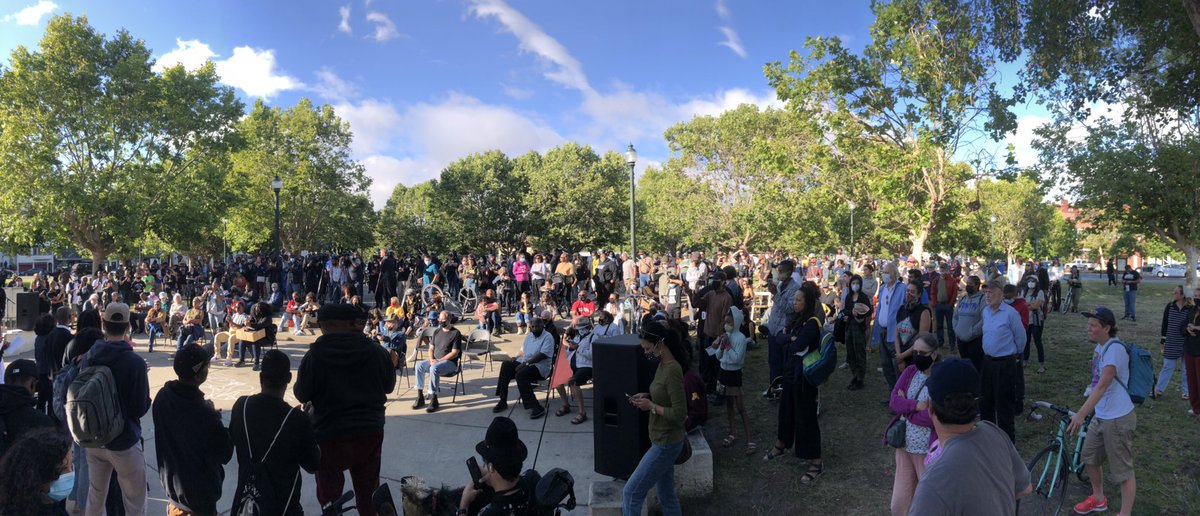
(1191, 353)
(1112, 273)
(344, 380)
(978, 472)
(714, 304)
(910, 402)
(667, 405)
(912, 318)
(1110, 434)
(943, 293)
(891, 298)
(18, 414)
(1035, 303)
(856, 312)
(123, 454)
(1003, 341)
(531, 365)
(730, 349)
(43, 354)
(1171, 338)
(266, 430)
(192, 445)
(260, 320)
(445, 349)
(1055, 274)
(385, 286)
(1075, 283)
(1130, 280)
(784, 292)
(521, 273)
(798, 407)
(968, 323)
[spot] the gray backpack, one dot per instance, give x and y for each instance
(93, 408)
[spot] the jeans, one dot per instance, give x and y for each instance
(944, 326)
(1033, 335)
(1168, 370)
(523, 319)
(155, 330)
(130, 466)
(1131, 304)
(657, 468)
(285, 318)
(187, 335)
(887, 361)
(214, 322)
(257, 352)
(440, 369)
(358, 453)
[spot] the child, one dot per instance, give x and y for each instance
(524, 313)
(730, 349)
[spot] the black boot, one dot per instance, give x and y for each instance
(433, 404)
(420, 400)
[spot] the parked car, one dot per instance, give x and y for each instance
(1082, 266)
(1174, 270)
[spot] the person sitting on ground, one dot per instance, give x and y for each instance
(37, 474)
(580, 348)
(192, 444)
(17, 412)
(524, 313)
(309, 310)
(500, 490)
(531, 365)
(291, 313)
(445, 349)
(265, 429)
(488, 312)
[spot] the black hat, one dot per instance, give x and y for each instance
(20, 368)
(190, 360)
(502, 445)
(340, 312)
(955, 376)
(276, 367)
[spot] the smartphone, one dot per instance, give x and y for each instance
(473, 468)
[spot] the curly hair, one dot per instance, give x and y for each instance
(33, 461)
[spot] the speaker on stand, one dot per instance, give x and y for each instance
(620, 430)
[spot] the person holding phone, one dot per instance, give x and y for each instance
(667, 404)
(496, 488)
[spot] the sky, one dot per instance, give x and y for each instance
(425, 82)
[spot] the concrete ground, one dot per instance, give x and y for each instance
(432, 446)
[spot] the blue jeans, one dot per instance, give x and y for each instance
(155, 330)
(187, 337)
(1131, 304)
(657, 468)
(523, 319)
(214, 322)
(439, 370)
(1164, 376)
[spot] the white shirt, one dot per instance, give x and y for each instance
(1115, 402)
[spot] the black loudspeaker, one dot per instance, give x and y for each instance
(27, 310)
(621, 430)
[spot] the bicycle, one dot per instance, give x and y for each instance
(1050, 469)
(1067, 300)
(467, 299)
(381, 499)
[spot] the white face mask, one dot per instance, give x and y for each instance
(887, 278)
(854, 287)
(1032, 284)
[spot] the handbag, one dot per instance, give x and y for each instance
(255, 496)
(897, 433)
(685, 453)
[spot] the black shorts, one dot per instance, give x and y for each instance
(582, 374)
(730, 378)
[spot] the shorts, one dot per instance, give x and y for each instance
(730, 382)
(1112, 439)
(582, 374)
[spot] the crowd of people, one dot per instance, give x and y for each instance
(696, 316)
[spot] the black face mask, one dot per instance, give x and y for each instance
(923, 362)
(537, 332)
(972, 290)
(651, 356)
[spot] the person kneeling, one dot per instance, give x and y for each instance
(532, 365)
(445, 348)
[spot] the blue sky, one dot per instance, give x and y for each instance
(425, 82)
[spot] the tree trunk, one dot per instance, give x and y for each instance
(1191, 252)
(1193, 11)
(99, 257)
(918, 238)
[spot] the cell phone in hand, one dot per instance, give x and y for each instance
(476, 475)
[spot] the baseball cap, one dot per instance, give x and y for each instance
(954, 376)
(20, 368)
(190, 360)
(116, 312)
(1102, 314)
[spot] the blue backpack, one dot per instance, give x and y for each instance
(1141, 373)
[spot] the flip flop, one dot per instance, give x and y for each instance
(579, 419)
(562, 411)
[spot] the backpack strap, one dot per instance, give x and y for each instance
(246, 430)
(1128, 352)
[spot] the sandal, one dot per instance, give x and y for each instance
(774, 453)
(729, 440)
(562, 411)
(814, 471)
(751, 448)
(579, 419)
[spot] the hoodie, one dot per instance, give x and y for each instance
(347, 378)
(734, 356)
(17, 415)
(192, 447)
(133, 387)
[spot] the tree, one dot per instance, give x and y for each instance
(99, 152)
(323, 202)
(891, 120)
(675, 211)
(575, 198)
(477, 202)
(406, 221)
(1021, 216)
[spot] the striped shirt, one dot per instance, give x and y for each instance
(1172, 328)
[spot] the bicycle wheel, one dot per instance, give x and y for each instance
(1065, 307)
(427, 293)
(1048, 473)
(467, 299)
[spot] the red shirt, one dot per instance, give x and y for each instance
(583, 309)
(1022, 309)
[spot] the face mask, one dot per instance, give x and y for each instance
(537, 332)
(972, 290)
(923, 363)
(651, 356)
(854, 287)
(1032, 284)
(445, 324)
(427, 262)
(584, 332)
(61, 488)
(1008, 301)
(728, 327)
(887, 278)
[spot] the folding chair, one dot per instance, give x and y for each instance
(479, 347)
(458, 381)
(425, 334)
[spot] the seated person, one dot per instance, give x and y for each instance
(531, 365)
(192, 327)
(500, 490)
(445, 348)
(585, 306)
(391, 335)
(580, 348)
(394, 308)
(484, 312)
(291, 312)
(308, 310)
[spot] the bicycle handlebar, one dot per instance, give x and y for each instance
(1066, 412)
(336, 506)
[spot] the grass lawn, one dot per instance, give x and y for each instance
(858, 474)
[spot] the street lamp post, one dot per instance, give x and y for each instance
(631, 160)
(224, 241)
(852, 206)
(276, 185)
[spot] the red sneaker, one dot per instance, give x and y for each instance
(1091, 505)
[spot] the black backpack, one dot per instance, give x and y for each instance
(255, 496)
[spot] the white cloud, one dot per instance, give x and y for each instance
(386, 172)
(723, 10)
(332, 87)
(733, 42)
(344, 24)
(384, 28)
(517, 92)
(250, 70)
(33, 14)
(564, 68)
(373, 123)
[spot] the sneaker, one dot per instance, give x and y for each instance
(844, 365)
(1090, 505)
(537, 412)
(1041, 369)
(500, 407)
(228, 362)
